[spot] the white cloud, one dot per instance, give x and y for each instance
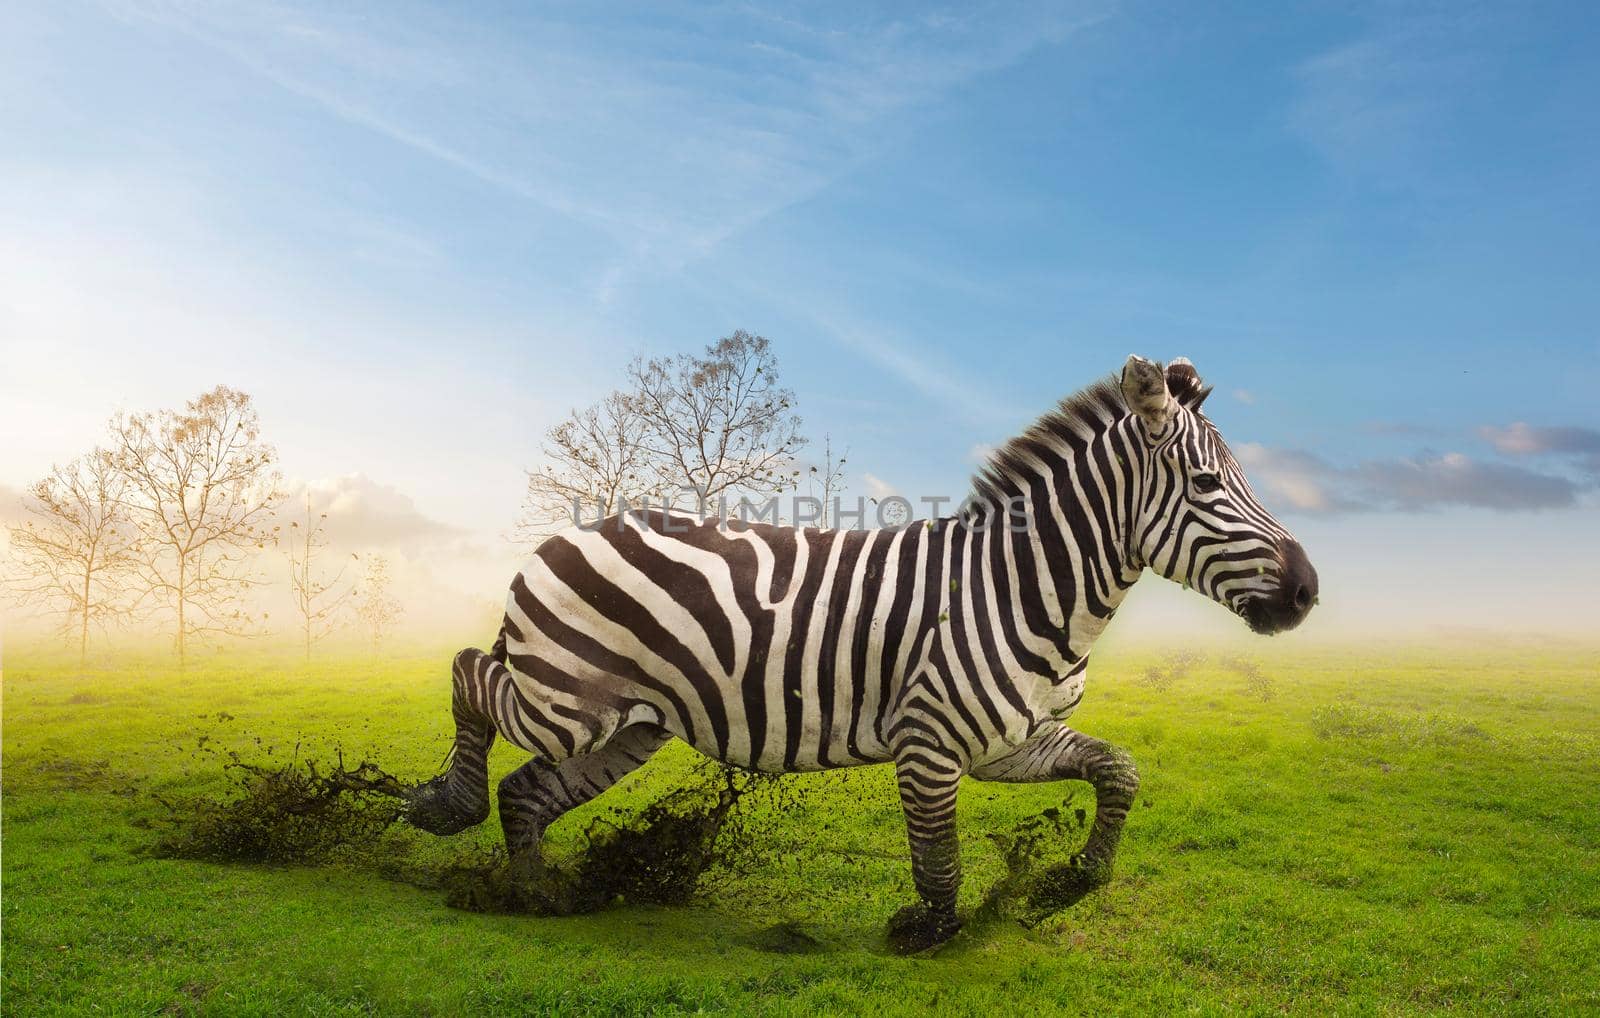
(1289, 477)
(1523, 439)
(361, 513)
(1426, 481)
(877, 487)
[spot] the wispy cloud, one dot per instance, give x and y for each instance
(1454, 479)
(338, 71)
(928, 371)
(1577, 446)
(1307, 482)
(1522, 439)
(1379, 106)
(670, 138)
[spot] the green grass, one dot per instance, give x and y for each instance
(1390, 833)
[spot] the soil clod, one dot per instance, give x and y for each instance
(295, 812)
(303, 812)
(917, 928)
(1042, 875)
(655, 855)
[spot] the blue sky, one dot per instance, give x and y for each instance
(420, 233)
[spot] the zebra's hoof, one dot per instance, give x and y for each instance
(431, 808)
(918, 928)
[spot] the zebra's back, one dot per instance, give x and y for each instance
(764, 646)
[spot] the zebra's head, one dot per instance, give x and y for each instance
(1199, 523)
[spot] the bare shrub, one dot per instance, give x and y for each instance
(317, 599)
(1163, 675)
(1257, 683)
(376, 608)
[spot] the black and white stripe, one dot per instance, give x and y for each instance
(950, 647)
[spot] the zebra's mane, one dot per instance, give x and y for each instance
(1097, 406)
(1094, 408)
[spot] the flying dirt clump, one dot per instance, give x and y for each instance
(655, 855)
(289, 813)
(1040, 879)
(303, 812)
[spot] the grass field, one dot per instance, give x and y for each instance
(1397, 831)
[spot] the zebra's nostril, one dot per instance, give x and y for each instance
(1302, 597)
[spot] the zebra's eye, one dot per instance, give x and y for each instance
(1206, 483)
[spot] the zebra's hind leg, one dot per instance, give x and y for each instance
(535, 795)
(459, 798)
(1056, 753)
(538, 793)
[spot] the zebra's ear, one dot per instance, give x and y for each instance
(1144, 389)
(1183, 381)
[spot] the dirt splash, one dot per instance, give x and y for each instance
(303, 812)
(294, 812)
(654, 855)
(1042, 874)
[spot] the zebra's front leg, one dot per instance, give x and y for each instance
(1056, 753)
(928, 783)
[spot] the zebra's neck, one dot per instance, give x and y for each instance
(1050, 543)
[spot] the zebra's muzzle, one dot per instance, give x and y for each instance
(1289, 605)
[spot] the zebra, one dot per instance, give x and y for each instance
(949, 647)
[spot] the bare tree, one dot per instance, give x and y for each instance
(200, 487)
(825, 481)
(721, 422)
(376, 608)
(315, 598)
(74, 559)
(594, 460)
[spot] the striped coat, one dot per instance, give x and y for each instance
(949, 647)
